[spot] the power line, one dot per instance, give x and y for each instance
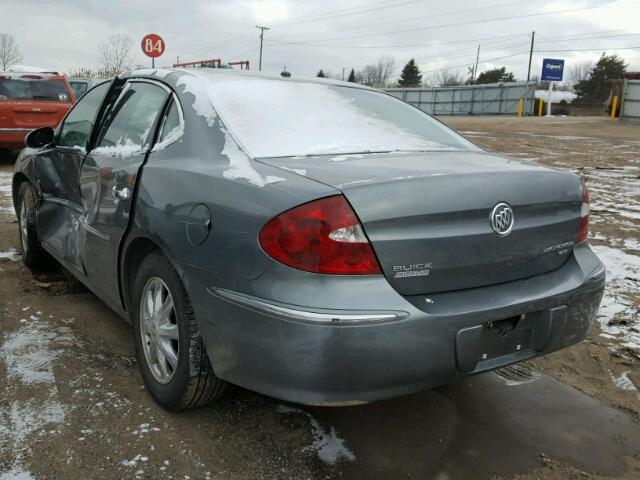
(412, 45)
(217, 45)
(336, 13)
(243, 52)
(575, 37)
(578, 38)
(413, 19)
(588, 49)
(527, 52)
(473, 22)
(473, 63)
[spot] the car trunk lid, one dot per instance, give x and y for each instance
(427, 215)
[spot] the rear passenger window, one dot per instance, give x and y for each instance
(132, 120)
(171, 127)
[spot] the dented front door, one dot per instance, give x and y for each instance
(57, 171)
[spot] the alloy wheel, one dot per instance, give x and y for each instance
(159, 330)
(24, 231)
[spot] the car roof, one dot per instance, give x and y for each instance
(214, 74)
(30, 76)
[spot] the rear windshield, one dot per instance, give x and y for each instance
(272, 118)
(33, 89)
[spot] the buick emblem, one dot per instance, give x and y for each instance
(501, 219)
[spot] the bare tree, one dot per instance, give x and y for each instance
(88, 72)
(447, 78)
(115, 54)
(9, 52)
(579, 71)
(367, 76)
(379, 74)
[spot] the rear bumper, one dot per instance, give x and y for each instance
(13, 137)
(333, 355)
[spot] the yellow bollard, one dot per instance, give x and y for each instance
(614, 105)
(540, 105)
(521, 107)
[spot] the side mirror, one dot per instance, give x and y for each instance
(40, 137)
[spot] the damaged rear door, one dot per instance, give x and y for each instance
(57, 171)
(108, 178)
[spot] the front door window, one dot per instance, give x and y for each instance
(78, 124)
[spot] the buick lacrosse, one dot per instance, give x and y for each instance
(313, 240)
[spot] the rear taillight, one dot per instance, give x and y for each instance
(323, 236)
(583, 231)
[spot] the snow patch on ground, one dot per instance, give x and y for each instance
(327, 444)
(623, 277)
(28, 354)
(12, 254)
(556, 96)
(240, 165)
(16, 473)
(623, 381)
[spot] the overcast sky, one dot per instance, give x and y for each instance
(308, 35)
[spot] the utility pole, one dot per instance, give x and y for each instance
(475, 69)
(262, 29)
(533, 36)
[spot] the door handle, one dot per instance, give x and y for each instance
(122, 194)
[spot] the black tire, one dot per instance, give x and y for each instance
(33, 255)
(193, 382)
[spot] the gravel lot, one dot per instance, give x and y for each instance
(72, 404)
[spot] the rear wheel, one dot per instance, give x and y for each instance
(173, 361)
(33, 255)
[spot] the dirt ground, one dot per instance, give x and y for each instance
(72, 404)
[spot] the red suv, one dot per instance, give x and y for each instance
(31, 100)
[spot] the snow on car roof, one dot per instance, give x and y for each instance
(213, 74)
(30, 76)
(30, 69)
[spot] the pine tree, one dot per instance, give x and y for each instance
(352, 76)
(594, 89)
(495, 75)
(321, 74)
(410, 76)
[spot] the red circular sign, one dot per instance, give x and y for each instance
(153, 45)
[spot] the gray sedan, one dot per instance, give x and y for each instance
(313, 240)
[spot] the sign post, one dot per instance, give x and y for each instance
(552, 70)
(153, 46)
